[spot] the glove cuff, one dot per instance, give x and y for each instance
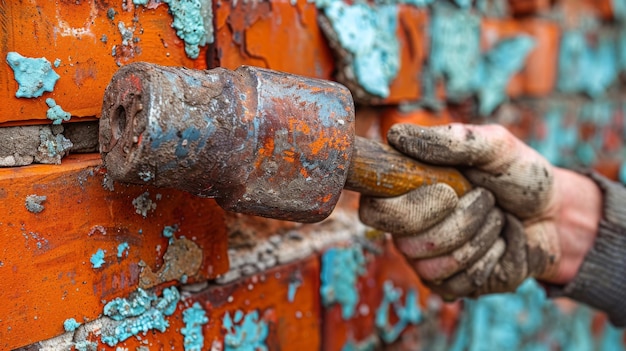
(601, 279)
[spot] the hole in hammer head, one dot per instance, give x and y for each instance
(118, 122)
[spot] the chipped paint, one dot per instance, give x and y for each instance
(245, 332)
(169, 230)
(97, 259)
(368, 33)
(496, 69)
(340, 270)
(55, 113)
(53, 146)
(455, 48)
(193, 22)
(586, 68)
(527, 320)
(455, 57)
(34, 75)
(138, 314)
(292, 289)
(182, 258)
(194, 318)
(408, 314)
(122, 249)
(70, 325)
(34, 203)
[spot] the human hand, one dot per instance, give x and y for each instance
(468, 246)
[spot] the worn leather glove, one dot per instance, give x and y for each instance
(490, 239)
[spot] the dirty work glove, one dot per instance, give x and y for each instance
(490, 239)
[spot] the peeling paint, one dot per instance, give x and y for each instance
(182, 258)
(408, 314)
(34, 75)
(34, 203)
(97, 259)
(193, 22)
(53, 146)
(584, 68)
(455, 48)
(245, 333)
(496, 69)
(194, 318)
(122, 249)
(70, 325)
(339, 273)
(55, 113)
(139, 314)
(368, 33)
(525, 321)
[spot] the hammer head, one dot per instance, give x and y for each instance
(260, 142)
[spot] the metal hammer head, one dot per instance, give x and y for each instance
(260, 142)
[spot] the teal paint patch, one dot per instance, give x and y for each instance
(369, 33)
(339, 273)
(34, 75)
(455, 49)
(496, 69)
(139, 314)
(455, 57)
(97, 259)
(193, 22)
(34, 203)
(57, 63)
(586, 68)
(622, 173)
(122, 248)
(245, 333)
(55, 113)
(525, 321)
(169, 230)
(408, 314)
(194, 318)
(70, 325)
(558, 139)
(292, 289)
(619, 9)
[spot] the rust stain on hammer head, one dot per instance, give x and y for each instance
(261, 142)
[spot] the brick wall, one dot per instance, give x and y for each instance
(549, 70)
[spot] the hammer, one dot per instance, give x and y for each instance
(260, 142)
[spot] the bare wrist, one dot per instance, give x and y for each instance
(577, 214)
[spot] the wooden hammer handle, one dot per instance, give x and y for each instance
(379, 170)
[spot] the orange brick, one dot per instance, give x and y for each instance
(538, 76)
(389, 266)
(529, 7)
(45, 263)
(73, 32)
(276, 35)
(292, 325)
(413, 39)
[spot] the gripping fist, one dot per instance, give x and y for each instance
(503, 231)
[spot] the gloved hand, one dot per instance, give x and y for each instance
(495, 236)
